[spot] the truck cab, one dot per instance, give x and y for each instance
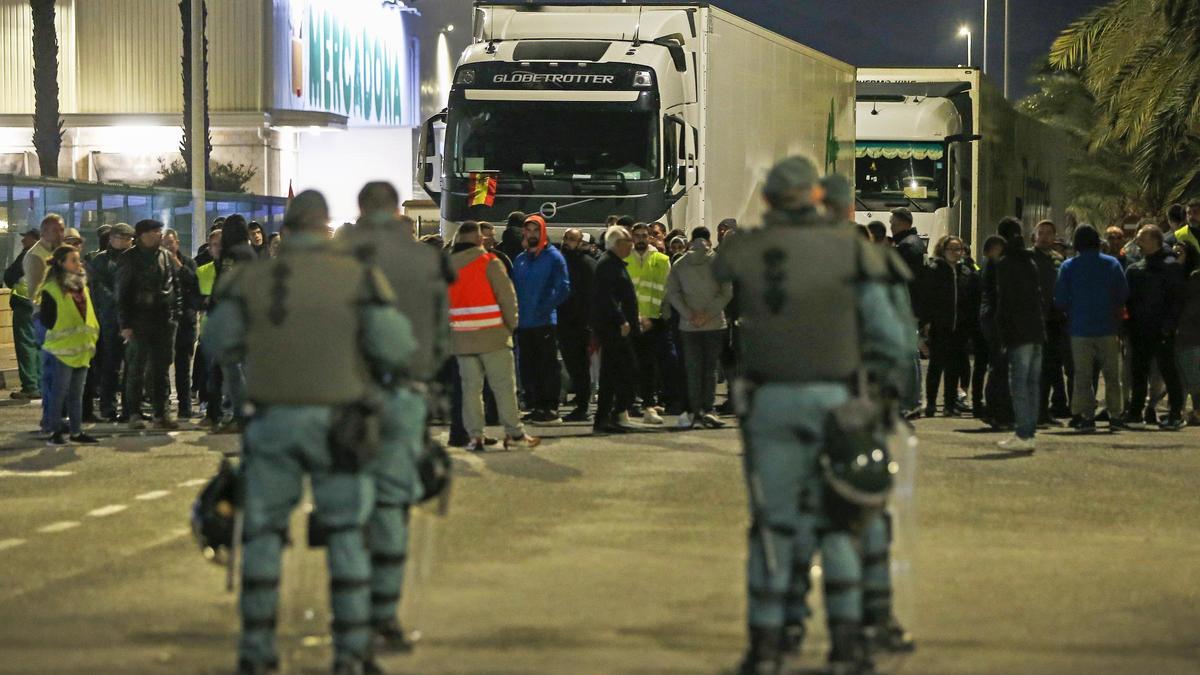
(573, 113)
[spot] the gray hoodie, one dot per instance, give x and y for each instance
(691, 289)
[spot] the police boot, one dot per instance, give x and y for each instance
(764, 656)
(889, 636)
(389, 636)
(849, 655)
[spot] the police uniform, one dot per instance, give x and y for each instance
(407, 264)
(815, 312)
(312, 327)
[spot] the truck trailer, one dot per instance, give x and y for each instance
(945, 144)
(670, 112)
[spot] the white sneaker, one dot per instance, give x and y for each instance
(1018, 444)
(651, 417)
(685, 421)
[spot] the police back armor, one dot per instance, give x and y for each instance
(796, 288)
(303, 320)
(420, 275)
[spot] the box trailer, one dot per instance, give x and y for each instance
(947, 145)
(668, 112)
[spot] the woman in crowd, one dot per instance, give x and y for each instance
(71, 335)
(949, 302)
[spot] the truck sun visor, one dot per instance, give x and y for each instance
(899, 150)
(560, 50)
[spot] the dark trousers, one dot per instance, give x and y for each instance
(618, 363)
(109, 356)
(214, 380)
(651, 349)
(701, 357)
(185, 350)
(979, 373)
(947, 351)
(25, 343)
(148, 359)
(1161, 350)
(999, 398)
(538, 351)
(458, 430)
(573, 342)
(1056, 362)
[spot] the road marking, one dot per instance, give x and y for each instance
(156, 494)
(58, 527)
(107, 510)
(6, 544)
(193, 482)
(5, 473)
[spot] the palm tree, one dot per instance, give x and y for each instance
(47, 124)
(185, 146)
(1141, 61)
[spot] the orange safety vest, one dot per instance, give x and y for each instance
(473, 304)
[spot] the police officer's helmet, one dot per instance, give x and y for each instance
(856, 465)
(213, 513)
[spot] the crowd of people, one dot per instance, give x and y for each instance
(97, 335)
(1021, 338)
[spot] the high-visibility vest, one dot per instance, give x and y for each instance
(72, 338)
(473, 304)
(649, 279)
(207, 275)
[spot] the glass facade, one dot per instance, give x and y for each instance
(87, 206)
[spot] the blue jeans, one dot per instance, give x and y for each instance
(66, 390)
(51, 417)
(1024, 381)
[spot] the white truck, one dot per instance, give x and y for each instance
(947, 145)
(670, 112)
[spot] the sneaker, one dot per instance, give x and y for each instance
(1171, 423)
(685, 421)
(1083, 425)
(1126, 423)
(580, 414)
(489, 441)
(546, 418)
(528, 417)
(608, 429)
(56, 438)
(476, 445)
(635, 410)
(20, 396)
(710, 420)
(1018, 444)
(651, 416)
(84, 438)
(623, 419)
(1151, 417)
(137, 424)
(525, 442)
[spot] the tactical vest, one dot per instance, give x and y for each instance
(419, 274)
(473, 304)
(72, 338)
(303, 323)
(798, 302)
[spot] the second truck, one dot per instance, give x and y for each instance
(664, 112)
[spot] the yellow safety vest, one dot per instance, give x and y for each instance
(207, 274)
(72, 338)
(650, 281)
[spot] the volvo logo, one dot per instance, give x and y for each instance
(549, 210)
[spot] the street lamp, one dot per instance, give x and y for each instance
(965, 31)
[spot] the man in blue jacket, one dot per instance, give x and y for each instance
(542, 283)
(1092, 290)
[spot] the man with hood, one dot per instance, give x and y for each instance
(542, 284)
(700, 301)
(512, 240)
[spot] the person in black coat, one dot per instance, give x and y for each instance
(947, 317)
(1056, 357)
(513, 238)
(574, 331)
(1156, 292)
(191, 304)
(1012, 295)
(614, 319)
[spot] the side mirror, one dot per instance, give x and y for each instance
(963, 138)
(678, 55)
(430, 157)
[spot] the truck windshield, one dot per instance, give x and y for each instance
(552, 141)
(900, 173)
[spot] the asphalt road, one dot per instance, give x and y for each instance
(616, 555)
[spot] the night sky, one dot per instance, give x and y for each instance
(919, 33)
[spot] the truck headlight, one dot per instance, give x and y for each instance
(643, 78)
(465, 76)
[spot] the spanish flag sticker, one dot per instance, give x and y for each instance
(482, 190)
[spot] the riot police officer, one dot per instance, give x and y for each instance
(387, 240)
(815, 313)
(314, 330)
